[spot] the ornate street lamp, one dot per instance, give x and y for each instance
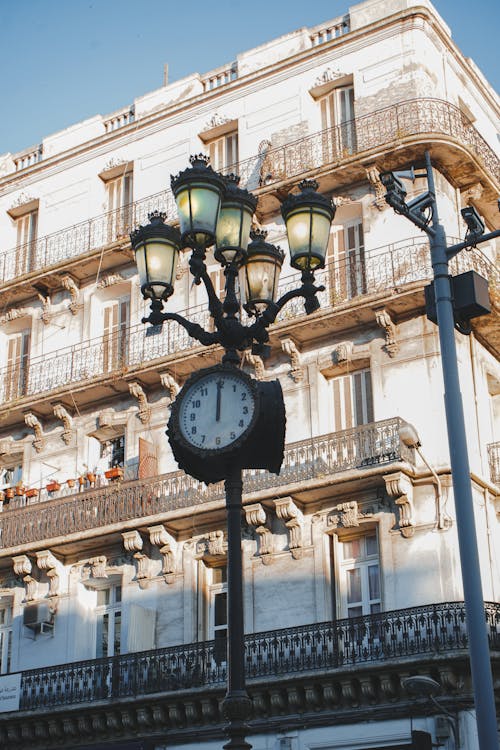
(222, 420)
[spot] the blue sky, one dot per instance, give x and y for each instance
(63, 61)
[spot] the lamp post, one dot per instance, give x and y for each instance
(247, 423)
(423, 212)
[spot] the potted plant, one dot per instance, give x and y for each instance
(81, 481)
(91, 477)
(116, 472)
(9, 493)
(20, 490)
(70, 482)
(32, 492)
(53, 486)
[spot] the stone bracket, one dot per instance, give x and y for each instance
(385, 322)
(256, 516)
(400, 489)
(137, 391)
(169, 382)
(373, 176)
(70, 285)
(32, 421)
(62, 413)
(159, 537)
(258, 365)
(288, 512)
(290, 348)
(132, 541)
(46, 561)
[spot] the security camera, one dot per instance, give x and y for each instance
(420, 203)
(475, 224)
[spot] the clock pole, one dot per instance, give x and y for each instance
(237, 704)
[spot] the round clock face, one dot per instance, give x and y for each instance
(216, 409)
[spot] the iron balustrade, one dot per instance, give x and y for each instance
(373, 271)
(315, 458)
(494, 462)
(333, 146)
(411, 634)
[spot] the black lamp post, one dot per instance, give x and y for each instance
(423, 212)
(213, 209)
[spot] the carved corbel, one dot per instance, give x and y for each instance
(109, 280)
(137, 391)
(31, 588)
(288, 512)
(132, 541)
(211, 548)
(256, 516)
(61, 413)
(258, 365)
(472, 193)
(373, 176)
(169, 382)
(46, 305)
(32, 421)
(159, 537)
(385, 322)
(70, 285)
(22, 567)
(46, 561)
(399, 487)
(348, 515)
(98, 566)
(290, 348)
(342, 353)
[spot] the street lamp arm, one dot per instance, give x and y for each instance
(471, 242)
(194, 330)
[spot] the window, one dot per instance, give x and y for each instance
(26, 226)
(337, 122)
(11, 475)
(217, 615)
(16, 376)
(359, 579)
(346, 261)
(223, 152)
(5, 636)
(352, 400)
(115, 340)
(119, 199)
(108, 621)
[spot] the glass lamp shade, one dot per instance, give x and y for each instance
(156, 247)
(235, 219)
(259, 274)
(308, 216)
(198, 192)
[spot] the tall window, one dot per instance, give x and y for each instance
(223, 152)
(217, 614)
(16, 377)
(115, 341)
(5, 636)
(352, 400)
(27, 227)
(359, 569)
(337, 120)
(120, 196)
(108, 621)
(346, 261)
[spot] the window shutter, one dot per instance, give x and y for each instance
(141, 628)
(338, 271)
(148, 460)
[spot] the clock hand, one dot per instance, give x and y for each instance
(217, 407)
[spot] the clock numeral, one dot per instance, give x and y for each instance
(245, 410)
(232, 435)
(244, 396)
(193, 430)
(217, 441)
(196, 403)
(241, 423)
(204, 392)
(234, 389)
(203, 438)
(192, 417)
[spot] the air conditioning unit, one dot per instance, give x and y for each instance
(38, 617)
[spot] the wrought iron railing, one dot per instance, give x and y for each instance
(315, 458)
(328, 647)
(494, 462)
(377, 270)
(327, 147)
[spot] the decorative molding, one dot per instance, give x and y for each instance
(71, 286)
(46, 561)
(290, 348)
(109, 280)
(61, 413)
(329, 75)
(169, 382)
(212, 547)
(216, 121)
(137, 391)
(288, 512)
(341, 200)
(46, 306)
(400, 488)
(472, 193)
(22, 200)
(13, 314)
(132, 541)
(348, 515)
(98, 566)
(256, 516)
(385, 322)
(10, 447)
(159, 537)
(32, 421)
(22, 565)
(342, 353)
(373, 175)
(258, 365)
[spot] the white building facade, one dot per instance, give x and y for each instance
(112, 561)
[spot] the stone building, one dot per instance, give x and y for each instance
(113, 588)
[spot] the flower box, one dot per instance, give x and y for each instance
(70, 482)
(19, 491)
(9, 493)
(115, 473)
(33, 492)
(53, 486)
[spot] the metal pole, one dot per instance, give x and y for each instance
(466, 528)
(237, 704)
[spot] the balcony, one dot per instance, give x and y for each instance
(339, 669)
(338, 156)
(130, 352)
(310, 462)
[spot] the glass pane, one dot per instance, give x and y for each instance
(220, 609)
(102, 630)
(371, 544)
(353, 585)
(374, 581)
(102, 597)
(118, 594)
(374, 608)
(118, 632)
(352, 549)
(354, 612)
